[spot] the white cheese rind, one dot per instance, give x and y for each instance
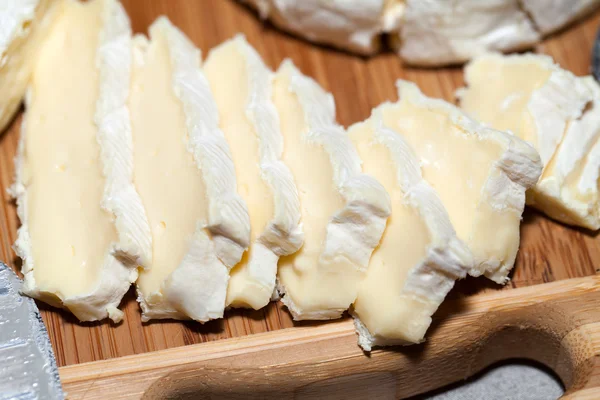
(446, 257)
(23, 26)
(114, 137)
(437, 32)
(550, 16)
(355, 230)
(197, 286)
(284, 234)
(560, 116)
(354, 25)
(228, 220)
(119, 268)
(265, 180)
(516, 167)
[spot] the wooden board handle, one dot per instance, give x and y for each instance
(557, 324)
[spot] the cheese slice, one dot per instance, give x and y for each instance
(83, 226)
(437, 32)
(354, 25)
(554, 110)
(241, 84)
(344, 211)
(23, 26)
(419, 256)
(480, 174)
(184, 173)
(550, 16)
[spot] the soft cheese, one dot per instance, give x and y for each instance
(419, 256)
(83, 226)
(550, 16)
(344, 211)
(24, 24)
(480, 174)
(184, 173)
(355, 25)
(554, 110)
(436, 32)
(241, 84)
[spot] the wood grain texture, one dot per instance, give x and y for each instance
(549, 251)
(557, 324)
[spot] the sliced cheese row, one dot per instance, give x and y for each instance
(222, 184)
(558, 113)
(425, 32)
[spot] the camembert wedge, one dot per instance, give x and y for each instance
(437, 32)
(480, 174)
(83, 229)
(24, 24)
(554, 110)
(241, 84)
(354, 25)
(184, 173)
(550, 16)
(419, 256)
(344, 211)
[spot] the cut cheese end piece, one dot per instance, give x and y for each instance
(550, 16)
(184, 173)
(554, 110)
(479, 173)
(419, 256)
(437, 32)
(241, 84)
(344, 211)
(24, 24)
(83, 226)
(354, 25)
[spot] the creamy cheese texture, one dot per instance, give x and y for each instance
(551, 15)
(83, 228)
(436, 32)
(533, 98)
(184, 173)
(241, 84)
(419, 256)
(344, 211)
(348, 24)
(480, 174)
(24, 24)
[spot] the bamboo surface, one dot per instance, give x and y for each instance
(556, 324)
(549, 251)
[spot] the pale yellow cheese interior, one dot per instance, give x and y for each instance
(20, 57)
(457, 164)
(227, 72)
(312, 285)
(381, 304)
(165, 174)
(70, 232)
(499, 94)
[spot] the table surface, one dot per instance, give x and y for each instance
(549, 251)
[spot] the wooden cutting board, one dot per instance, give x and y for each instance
(549, 251)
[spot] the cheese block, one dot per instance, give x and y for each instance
(184, 172)
(354, 25)
(419, 256)
(344, 211)
(557, 112)
(480, 174)
(23, 26)
(437, 32)
(83, 225)
(241, 84)
(552, 15)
